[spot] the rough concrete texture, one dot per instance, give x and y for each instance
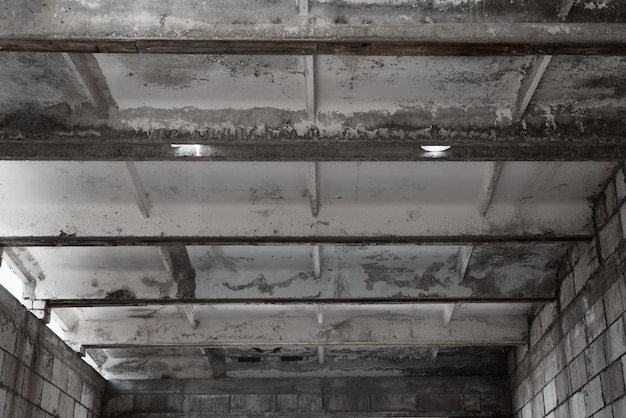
(574, 366)
(169, 18)
(285, 361)
(40, 375)
(453, 397)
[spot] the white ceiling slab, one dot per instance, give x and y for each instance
(120, 273)
(349, 84)
(205, 81)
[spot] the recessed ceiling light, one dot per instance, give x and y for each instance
(436, 148)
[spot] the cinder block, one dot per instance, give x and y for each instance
(539, 379)
(59, 374)
(74, 385)
(577, 405)
(535, 331)
(551, 365)
(50, 398)
(565, 352)
(567, 291)
(604, 413)
(66, 406)
(397, 402)
(563, 386)
(615, 341)
(495, 404)
(578, 338)
(595, 321)
(313, 402)
(471, 402)
(119, 404)
(538, 405)
(526, 392)
(527, 410)
(562, 411)
(619, 408)
(87, 395)
(7, 335)
(587, 264)
(594, 400)
(520, 353)
(254, 403)
(594, 358)
(43, 363)
(440, 403)
(206, 403)
(80, 411)
(613, 301)
(33, 388)
(3, 399)
(547, 314)
(8, 373)
(613, 381)
(577, 373)
(549, 396)
(610, 237)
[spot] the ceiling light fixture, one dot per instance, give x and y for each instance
(435, 148)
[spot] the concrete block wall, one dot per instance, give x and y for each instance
(450, 396)
(40, 376)
(575, 363)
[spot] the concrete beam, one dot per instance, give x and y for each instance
(160, 240)
(136, 186)
(93, 82)
(529, 85)
(309, 79)
(176, 261)
(261, 331)
(313, 187)
(25, 267)
(87, 303)
(595, 148)
(317, 260)
(438, 39)
(488, 187)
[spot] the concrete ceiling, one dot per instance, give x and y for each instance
(239, 190)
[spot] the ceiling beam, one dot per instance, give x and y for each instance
(313, 187)
(438, 39)
(160, 240)
(25, 267)
(488, 187)
(309, 78)
(299, 331)
(317, 261)
(136, 186)
(303, 7)
(594, 148)
(529, 85)
(321, 302)
(88, 74)
(176, 261)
